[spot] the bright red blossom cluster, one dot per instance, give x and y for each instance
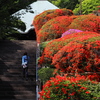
(71, 54)
(53, 29)
(86, 23)
(54, 46)
(47, 15)
(62, 87)
(81, 58)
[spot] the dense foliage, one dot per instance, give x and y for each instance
(70, 88)
(87, 6)
(86, 23)
(83, 57)
(69, 4)
(53, 29)
(55, 45)
(78, 6)
(70, 45)
(45, 16)
(7, 21)
(45, 74)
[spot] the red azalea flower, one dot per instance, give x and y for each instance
(73, 93)
(87, 92)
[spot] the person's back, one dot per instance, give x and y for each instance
(25, 61)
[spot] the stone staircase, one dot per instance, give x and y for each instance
(12, 85)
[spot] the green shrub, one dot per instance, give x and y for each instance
(43, 45)
(45, 74)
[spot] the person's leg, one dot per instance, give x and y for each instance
(23, 72)
(26, 73)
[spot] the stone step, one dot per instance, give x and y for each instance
(19, 97)
(14, 61)
(26, 86)
(15, 56)
(21, 92)
(15, 74)
(19, 70)
(15, 78)
(20, 84)
(16, 67)
(18, 43)
(17, 83)
(9, 88)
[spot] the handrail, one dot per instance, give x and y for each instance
(37, 79)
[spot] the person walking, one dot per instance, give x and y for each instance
(25, 62)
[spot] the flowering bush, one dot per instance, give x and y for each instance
(70, 31)
(81, 56)
(86, 23)
(45, 16)
(74, 16)
(42, 46)
(55, 45)
(93, 76)
(70, 88)
(53, 28)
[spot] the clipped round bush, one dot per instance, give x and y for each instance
(54, 28)
(86, 23)
(74, 16)
(55, 45)
(45, 16)
(80, 56)
(70, 88)
(45, 74)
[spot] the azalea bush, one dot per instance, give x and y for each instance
(79, 57)
(93, 76)
(42, 46)
(70, 88)
(86, 23)
(55, 45)
(53, 28)
(45, 16)
(74, 16)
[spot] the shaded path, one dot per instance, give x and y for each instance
(12, 86)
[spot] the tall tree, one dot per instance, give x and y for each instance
(7, 21)
(87, 6)
(69, 4)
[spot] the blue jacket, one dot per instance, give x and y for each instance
(25, 59)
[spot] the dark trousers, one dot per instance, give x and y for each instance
(25, 72)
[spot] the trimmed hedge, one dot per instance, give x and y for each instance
(86, 23)
(81, 56)
(53, 29)
(45, 16)
(55, 45)
(70, 88)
